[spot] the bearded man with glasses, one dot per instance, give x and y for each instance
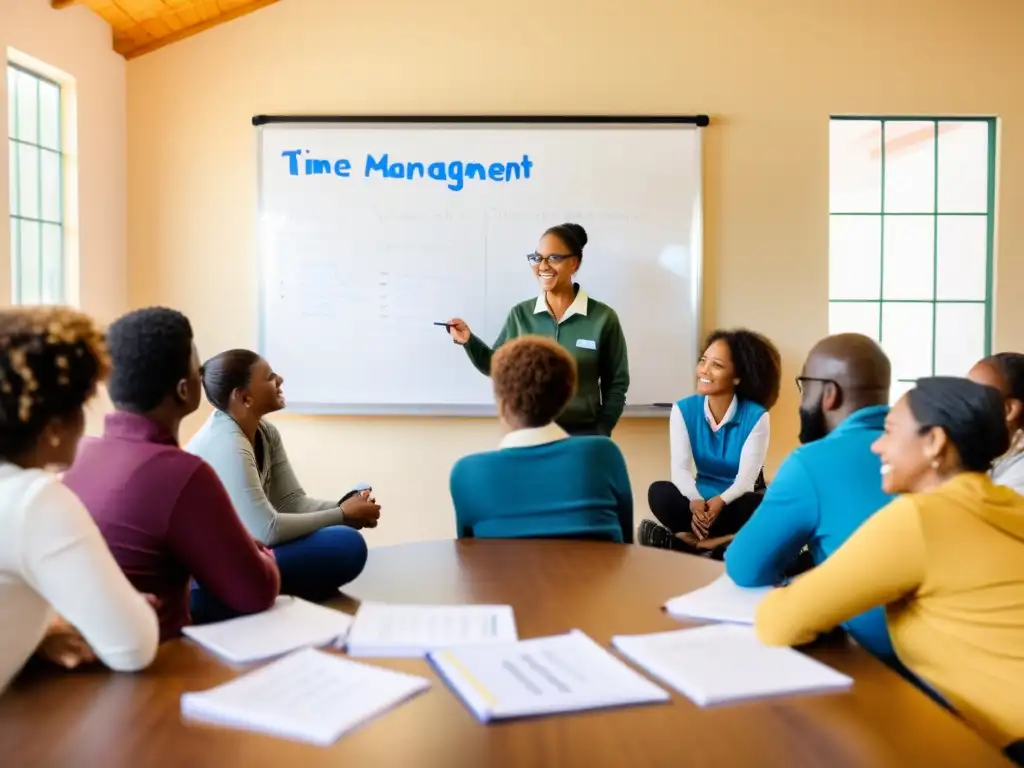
(832, 483)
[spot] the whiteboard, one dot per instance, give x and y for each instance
(371, 230)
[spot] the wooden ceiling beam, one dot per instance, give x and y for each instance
(129, 51)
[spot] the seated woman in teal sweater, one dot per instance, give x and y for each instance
(541, 483)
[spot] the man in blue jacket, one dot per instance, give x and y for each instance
(831, 484)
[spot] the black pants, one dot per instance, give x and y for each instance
(673, 510)
(1016, 752)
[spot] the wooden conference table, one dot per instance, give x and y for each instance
(94, 718)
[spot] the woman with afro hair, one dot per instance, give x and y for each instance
(718, 442)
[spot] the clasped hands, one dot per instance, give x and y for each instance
(360, 510)
(704, 514)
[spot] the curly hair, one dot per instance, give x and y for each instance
(51, 359)
(757, 362)
(534, 378)
(151, 350)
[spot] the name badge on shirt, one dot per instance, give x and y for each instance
(586, 344)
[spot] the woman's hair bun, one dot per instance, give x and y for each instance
(578, 232)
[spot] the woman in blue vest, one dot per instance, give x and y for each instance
(722, 431)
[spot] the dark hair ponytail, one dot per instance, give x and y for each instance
(226, 372)
(573, 235)
(970, 414)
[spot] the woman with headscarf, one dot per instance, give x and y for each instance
(946, 559)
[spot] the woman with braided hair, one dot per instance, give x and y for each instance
(52, 556)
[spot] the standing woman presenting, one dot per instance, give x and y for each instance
(563, 311)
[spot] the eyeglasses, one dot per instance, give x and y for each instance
(801, 379)
(554, 258)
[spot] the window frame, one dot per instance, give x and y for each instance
(16, 218)
(990, 213)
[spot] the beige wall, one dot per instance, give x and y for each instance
(770, 74)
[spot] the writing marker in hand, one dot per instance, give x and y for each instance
(446, 326)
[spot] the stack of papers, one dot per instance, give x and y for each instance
(726, 662)
(721, 600)
(308, 696)
(394, 631)
(548, 675)
(291, 624)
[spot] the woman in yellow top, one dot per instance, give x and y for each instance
(946, 559)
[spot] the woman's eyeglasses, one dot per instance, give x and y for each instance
(554, 258)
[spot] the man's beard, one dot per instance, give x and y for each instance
(812, 424)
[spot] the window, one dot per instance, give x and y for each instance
(911, 216)
(36, 191)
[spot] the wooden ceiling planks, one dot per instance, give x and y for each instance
(143, 26)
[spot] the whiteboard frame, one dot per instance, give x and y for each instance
(642, 411)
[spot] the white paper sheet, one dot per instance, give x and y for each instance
(309, 696)
(721, 600)
(382, 630)
(726, 662)
(543, 676)
(292, 623)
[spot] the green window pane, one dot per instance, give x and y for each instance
(30, 284)
(36, 188)
(909, 166)
(15, 261)
(963, 167)
(14, 197)
(28, 181)
(12, 102)
(962, 257)
(909, 269)
(855, 166)
(907, 338)
(959, 337)
(854, 317)
(49, 114)
(27, 95)
(50, 188)
(855, 257)
(52, 276)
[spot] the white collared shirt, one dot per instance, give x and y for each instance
(752, 457)
(729, 413)
(533, 436)
(578, 306)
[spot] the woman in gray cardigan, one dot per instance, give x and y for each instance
(316, 542)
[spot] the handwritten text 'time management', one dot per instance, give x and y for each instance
(455, 172)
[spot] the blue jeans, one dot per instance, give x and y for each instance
(312, 568)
